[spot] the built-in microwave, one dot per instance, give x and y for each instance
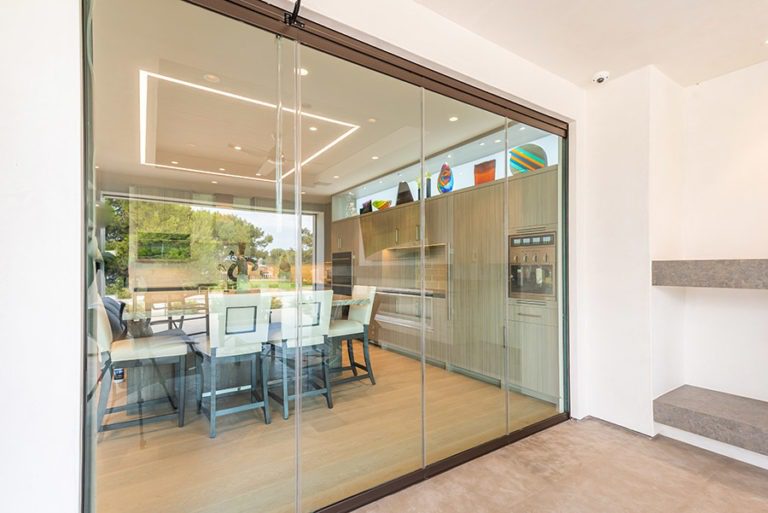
(532, 265)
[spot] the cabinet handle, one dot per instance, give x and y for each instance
(397, 236)
(531, 229)
(528, 315)
(418, 232)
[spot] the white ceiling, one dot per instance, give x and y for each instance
(192, 123)
(689, 40)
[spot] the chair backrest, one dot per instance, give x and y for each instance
(315, 316)
(238, 319)
(115, 311)
(362, 313)
(101, 330)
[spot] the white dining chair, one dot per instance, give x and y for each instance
(136, 353)
(308, 323)
(355, 327)
(239, 324)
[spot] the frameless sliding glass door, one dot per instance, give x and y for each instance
(194, 229)
(305, 278)
(464, 224)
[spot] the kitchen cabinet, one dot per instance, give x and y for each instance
(345, 235)
(533, 349)
(438, 220)
(478, 280)
(398, 319)
(390, 228)
(533, 201)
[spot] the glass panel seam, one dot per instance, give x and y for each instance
(422, 270)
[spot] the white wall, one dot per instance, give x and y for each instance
(726, 210)
(615, 302)
(40, 219)
(666, 206)
(726, 166)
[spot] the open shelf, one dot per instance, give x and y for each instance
(727, 274)
(727, 418)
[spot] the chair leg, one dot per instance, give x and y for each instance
(265, 387)
(212, 377)
(106, 386)
(351, 353)
(367, 355)
(285, 381)
(254, 397)
(199, 361)
(182, 387)
(327, 377)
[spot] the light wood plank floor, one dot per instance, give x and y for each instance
(370, 436)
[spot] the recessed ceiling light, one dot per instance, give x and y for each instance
(453, 118)
(336, 177)
(222, 169)
(210, 77)
(381, 181)
(258, 174)
(191, 145)
(238, 148)
(313, 129)
(522, 128)
(214, 181)
(371, 120)
(375, 157)
(497, 141)
(174, 162)
(97, 167)
(482, 144)
(303, 72)
(303, 192)
(449, 155)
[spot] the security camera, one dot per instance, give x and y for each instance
(600, 77)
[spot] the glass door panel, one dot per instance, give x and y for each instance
(534, 275)
(193, 217)
(465, 209)
(361, 141)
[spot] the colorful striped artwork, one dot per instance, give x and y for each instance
(528, 157)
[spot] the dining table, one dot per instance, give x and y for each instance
(175, 306)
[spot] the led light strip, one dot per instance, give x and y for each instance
(143, 86)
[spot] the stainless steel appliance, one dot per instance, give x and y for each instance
(532, 265)
(341, 273)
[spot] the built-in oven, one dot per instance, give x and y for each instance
(341, 273)
(532, 265)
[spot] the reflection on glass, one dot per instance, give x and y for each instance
(534, 354)
(373, 352)
(304, 278)
(197, 257)
(465, 399)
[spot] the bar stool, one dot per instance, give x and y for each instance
(136, 353)
(239, 324)
(355, 327)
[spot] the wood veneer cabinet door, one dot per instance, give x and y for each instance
(534, 363)
(478, 280)
(438, 215)
(345, 235)
(406, 223)
(533, 201)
